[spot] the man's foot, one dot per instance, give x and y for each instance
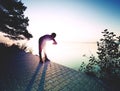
(47, 59)
(40, 61)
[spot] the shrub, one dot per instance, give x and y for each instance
(6, 49)
(108, 63)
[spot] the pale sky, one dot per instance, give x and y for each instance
(72, 20)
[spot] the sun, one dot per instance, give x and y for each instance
(51, 49)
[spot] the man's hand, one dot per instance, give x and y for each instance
(54, 43)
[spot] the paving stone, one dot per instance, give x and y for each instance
(26, 74)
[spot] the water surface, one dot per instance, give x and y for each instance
(71, 54)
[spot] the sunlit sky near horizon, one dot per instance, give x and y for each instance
(73, 20)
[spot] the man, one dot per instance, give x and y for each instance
(42, 43)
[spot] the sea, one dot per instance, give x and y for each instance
(71, 54)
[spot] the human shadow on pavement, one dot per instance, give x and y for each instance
(42, 80)
(29, 87)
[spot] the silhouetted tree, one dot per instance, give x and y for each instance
(12, 19)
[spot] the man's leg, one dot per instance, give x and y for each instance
(40, 53)
(40, 56)
(45, 55)
(46, 58)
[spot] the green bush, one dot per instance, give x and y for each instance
(107, 65)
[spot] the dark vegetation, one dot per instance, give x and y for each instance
(13, 21)
(7, 51)
(107, 65)
(14, 24)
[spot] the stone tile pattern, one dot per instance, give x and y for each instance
(23, 72)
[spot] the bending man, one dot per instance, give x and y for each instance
(42, 43)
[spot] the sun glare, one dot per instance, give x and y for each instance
(50, 49)
(54, 51)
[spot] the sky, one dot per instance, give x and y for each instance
(72, 20)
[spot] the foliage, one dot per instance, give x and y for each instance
(7, 50)
(12, 19)
(108, 63)
(25, 48)
(13, 48)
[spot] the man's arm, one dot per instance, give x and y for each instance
(54, 41)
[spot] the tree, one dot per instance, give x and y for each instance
(107, 65)
(109, 54)
(12, 20)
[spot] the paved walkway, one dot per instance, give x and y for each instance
(24, 73)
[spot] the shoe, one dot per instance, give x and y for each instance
(40, 61)
(47, 59)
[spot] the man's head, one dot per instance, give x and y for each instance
(53, 35)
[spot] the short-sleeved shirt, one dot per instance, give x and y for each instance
(43, 39)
